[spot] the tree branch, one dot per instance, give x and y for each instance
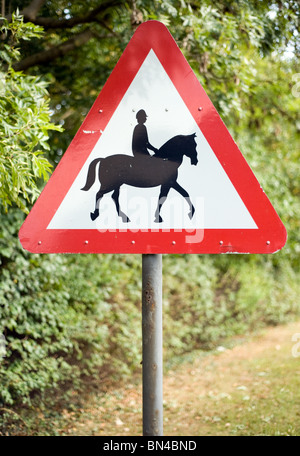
(77, 40)
(57, 51)
(31, 11)
(91, 16)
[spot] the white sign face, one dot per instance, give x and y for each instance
(217, 203)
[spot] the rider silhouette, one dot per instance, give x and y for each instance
(140, 141)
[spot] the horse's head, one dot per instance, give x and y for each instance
(177, 147)
(190, 148)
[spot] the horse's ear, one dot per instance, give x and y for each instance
(194, 135)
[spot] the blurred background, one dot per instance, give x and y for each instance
(68, 321)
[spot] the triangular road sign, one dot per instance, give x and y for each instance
(152, 169)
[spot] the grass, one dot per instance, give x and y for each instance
(252, 387)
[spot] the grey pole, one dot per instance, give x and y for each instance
(152, 345)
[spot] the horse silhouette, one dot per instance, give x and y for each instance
(160, 169)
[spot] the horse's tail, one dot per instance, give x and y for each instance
(91, 174)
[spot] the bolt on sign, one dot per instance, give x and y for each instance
(153, 169)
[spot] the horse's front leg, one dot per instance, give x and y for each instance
(162, 198)
(186, 196)
(115, 197)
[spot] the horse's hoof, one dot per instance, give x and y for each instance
(158, 219)
(124, 217)
(94, 214)
(191, 213)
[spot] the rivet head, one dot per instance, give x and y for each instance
(221, 242)
(86, 242)
(100, 110)
(200, 108)
(173, 242)
(268, 242)
(166, 109)
(39, 243)
(132, 242)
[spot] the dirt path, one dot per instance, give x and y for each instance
(250, 389)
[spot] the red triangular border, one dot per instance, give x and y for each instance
(268, 238)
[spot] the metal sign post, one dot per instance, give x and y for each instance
(152, 344)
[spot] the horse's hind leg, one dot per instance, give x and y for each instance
(185, 194)
(115, 197)
(99, 196)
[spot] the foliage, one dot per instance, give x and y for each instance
(62, 324)
(222, 40)
(58, 324)
(224, 298)
(25, 122)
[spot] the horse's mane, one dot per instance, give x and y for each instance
(173, 147)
